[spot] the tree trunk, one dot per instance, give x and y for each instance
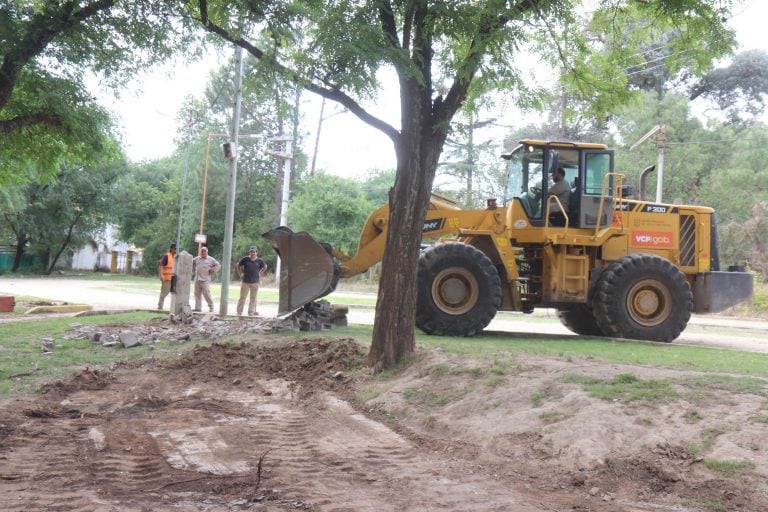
(64, 244)
(418, 150)
(21, 242)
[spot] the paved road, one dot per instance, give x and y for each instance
(117, 294)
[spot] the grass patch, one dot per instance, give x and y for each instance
(693, 416)
(626, 388)
(708, 438)
(440, 370)
(20, 350)
(707, 504)
(551, 417)
(729, 467)
(663, 355)
(494, 380)
(729, 383)
(538, 397)
(488, 346)
(427, 399)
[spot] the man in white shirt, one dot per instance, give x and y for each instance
(561, 189)
(203, 267)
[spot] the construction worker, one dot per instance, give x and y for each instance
(203, 268)
(166, 274)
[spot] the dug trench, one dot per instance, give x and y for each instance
(274, 423)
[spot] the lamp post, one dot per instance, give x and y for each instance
(286, 156)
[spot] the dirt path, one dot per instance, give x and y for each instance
(276, 424)
(220, 430)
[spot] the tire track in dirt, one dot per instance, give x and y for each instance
(323, 454)
(56, 470)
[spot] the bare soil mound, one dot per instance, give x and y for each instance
(277, 424)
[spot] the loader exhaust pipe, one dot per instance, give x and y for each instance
(307, 271)
(643, 179)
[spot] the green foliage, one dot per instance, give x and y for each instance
(63, 214)
(81, 133)
(332, 208)
(377, 186)
(622, 48)
(739, 88)
(147, 207)
(47, 118)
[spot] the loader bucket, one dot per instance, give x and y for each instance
(307, 271)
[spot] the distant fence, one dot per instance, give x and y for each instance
(28, 261)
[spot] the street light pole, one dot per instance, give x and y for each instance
(286, 156)
(230, 217)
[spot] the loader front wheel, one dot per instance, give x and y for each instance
(459, 290)
(580, 319)
(643, 297)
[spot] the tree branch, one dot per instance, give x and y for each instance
(332, 93)
(488, 24)
(43, 28)
(18, 122)
(387, 18)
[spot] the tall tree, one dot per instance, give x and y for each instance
(739, 89)
(45, 49)
(64, 213)
(332, 208)
(431, 46)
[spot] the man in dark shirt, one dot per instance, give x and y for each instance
(250, 268)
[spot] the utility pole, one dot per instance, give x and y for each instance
(287, 157)
(233, 155)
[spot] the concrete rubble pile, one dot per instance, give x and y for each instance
(316, 316)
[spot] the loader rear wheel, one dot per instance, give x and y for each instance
(644, 297)
(580, 319)
(459, 290)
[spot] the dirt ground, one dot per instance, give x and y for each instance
(277, 424)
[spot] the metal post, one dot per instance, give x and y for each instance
(287, 156)
(286, 182)
(205, 192)
(661, 143)
(230, 216)
(181, 203)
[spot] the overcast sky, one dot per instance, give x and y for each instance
(147, 110)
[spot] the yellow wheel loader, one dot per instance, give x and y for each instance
(611, 265)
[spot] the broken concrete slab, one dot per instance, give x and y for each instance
(129, 339)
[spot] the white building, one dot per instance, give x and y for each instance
(103, 253)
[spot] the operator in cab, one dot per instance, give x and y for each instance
(562, 190)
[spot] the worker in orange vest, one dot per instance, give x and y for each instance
(166, 274)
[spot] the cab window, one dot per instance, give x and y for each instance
(596, 166)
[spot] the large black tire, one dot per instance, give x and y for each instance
(643, 297)
(459, 290)
(580, 319)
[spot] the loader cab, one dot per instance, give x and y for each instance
(529, 180)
